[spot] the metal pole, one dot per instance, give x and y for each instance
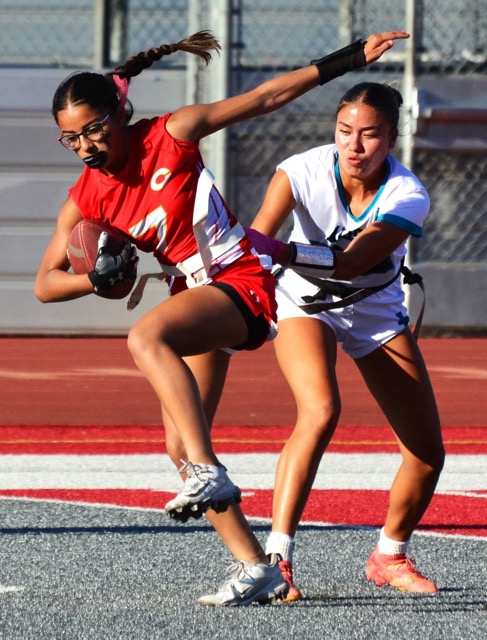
(409, 111)
(100, 17)
(219, 74)
(346, 23)
(118, 31)
(194, 21)
(409, 85)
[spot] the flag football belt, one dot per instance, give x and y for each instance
(351, 295)
(194, 269)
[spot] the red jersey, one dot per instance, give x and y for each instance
(152, 201)
(152, 198)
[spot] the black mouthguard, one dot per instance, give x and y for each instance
(96, 160)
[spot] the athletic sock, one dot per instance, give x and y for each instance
(280, 543)
(390, 547)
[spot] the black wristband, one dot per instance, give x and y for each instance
(339, 62)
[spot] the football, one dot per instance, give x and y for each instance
(83, 249)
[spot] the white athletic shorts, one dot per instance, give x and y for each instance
(360, 328)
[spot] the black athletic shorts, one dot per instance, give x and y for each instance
(257, 326)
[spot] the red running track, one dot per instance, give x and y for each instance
(83, 396)
(79, 381)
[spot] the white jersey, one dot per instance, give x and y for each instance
(323, 216)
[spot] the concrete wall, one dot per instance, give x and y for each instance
(35, 174)
(452, 117)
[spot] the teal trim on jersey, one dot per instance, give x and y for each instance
(406, 225)
(341, 191)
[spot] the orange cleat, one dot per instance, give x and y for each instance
(294, 593)
(398, 571)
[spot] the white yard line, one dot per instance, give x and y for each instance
(462, 473)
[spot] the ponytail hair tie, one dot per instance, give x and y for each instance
(173, 47)
(122, 85)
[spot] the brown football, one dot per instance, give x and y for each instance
(83, 249)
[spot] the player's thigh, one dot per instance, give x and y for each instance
(306, 350)
(397, 377)
(193, 322)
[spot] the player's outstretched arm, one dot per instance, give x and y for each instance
(194, 122)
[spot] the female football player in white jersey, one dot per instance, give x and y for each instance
(148, 180)
(354, 206)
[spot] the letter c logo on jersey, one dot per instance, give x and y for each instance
(160, 179)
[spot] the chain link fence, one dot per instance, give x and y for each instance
(451, 43)
(271, 36)
(47, 33)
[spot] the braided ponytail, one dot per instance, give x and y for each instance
(108, 92)
(200, 44)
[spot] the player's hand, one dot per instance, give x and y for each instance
(377, 43)
(264, 245)
(111, 270)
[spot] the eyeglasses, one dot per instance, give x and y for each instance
(93, 132)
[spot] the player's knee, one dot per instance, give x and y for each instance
(140, 342)
(429, 466)
(320, 418)
(435, 460)
(135, 342)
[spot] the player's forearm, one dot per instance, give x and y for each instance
(57, 285)
(279, 91)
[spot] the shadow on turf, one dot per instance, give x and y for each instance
(448, 600)
(190, 527)
(128, 530)
(171, 527)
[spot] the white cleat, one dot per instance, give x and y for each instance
(248, 583)
(207, 487)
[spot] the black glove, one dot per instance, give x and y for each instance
(112, 270)
(339, 62)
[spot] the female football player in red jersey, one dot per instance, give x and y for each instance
(148, 180)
